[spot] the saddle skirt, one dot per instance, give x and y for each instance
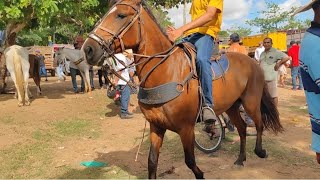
(219, 64)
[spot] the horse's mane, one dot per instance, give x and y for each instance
(148, 10)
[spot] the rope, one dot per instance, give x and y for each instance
(144, 130)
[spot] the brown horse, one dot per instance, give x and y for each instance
(34, 71)
(3, 72)
(130, 25)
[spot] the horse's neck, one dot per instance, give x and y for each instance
(73, 54)
(153, 40)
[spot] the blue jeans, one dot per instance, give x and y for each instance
(204, 46)
(43, 71)
(124, 98)
(295, 72)
(73, 74)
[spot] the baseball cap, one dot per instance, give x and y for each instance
(305, 7)
(235, 37)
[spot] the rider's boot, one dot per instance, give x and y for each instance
(209, 118)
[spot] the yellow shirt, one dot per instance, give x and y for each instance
(198, 8)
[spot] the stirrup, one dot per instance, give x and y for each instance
(208, 115)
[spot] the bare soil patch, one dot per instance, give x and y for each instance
(60, 129)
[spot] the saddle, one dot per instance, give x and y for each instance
(219, 63)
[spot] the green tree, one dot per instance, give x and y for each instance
(16, 15)
(272, 19)
(242, 31)
(64, 18)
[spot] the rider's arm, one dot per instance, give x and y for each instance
(202, 20)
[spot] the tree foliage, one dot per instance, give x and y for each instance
(242, 31)
(35, 20)
(272, 19)
(15, 15)
(168, 3)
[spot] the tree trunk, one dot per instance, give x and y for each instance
(11, 33)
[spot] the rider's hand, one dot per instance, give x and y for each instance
(173, 33)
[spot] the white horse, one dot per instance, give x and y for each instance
(17, 62)
(77, 57)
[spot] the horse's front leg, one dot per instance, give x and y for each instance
(156, 139)
(187, 139)
(86, 78)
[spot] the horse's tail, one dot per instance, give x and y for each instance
(269, 112)
(19, 76)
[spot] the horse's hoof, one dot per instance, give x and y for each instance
(20, 104)
(261, 154)
(27, 103)
(238, 163)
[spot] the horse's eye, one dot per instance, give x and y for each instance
(121, 16)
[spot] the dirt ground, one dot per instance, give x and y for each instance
(50, 138)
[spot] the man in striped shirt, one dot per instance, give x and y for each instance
(310, 72)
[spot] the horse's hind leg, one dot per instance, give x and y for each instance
(252, 107)
(156, 138)
(26, 88)
(236, 119)
(17, 93)
(187, 139)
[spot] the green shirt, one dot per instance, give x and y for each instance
(267, 62)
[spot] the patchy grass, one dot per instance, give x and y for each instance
(7, 120)
(76, 127)
(113, 172)
(29, 160)
(32, 159)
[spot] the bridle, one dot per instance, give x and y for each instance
(107, 45)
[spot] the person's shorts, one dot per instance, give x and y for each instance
(272, 88)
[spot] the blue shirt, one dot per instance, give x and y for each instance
(310, 72)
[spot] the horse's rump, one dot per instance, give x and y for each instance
(18, 65)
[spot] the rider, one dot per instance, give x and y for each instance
(201, 31)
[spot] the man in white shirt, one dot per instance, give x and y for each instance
(258, 52)
(122, 85)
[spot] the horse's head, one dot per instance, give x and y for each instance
(118, 30)
(59, 55)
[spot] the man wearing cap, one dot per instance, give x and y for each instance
(201, 31)
(293, 52)
(270, 61)
(310, 71)
(235, 44)
(41, 58)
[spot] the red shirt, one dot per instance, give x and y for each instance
(294, 54)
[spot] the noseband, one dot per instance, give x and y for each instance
(106, 45)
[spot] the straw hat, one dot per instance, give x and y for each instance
(305, 7)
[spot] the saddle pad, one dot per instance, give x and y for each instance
(219, 67)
